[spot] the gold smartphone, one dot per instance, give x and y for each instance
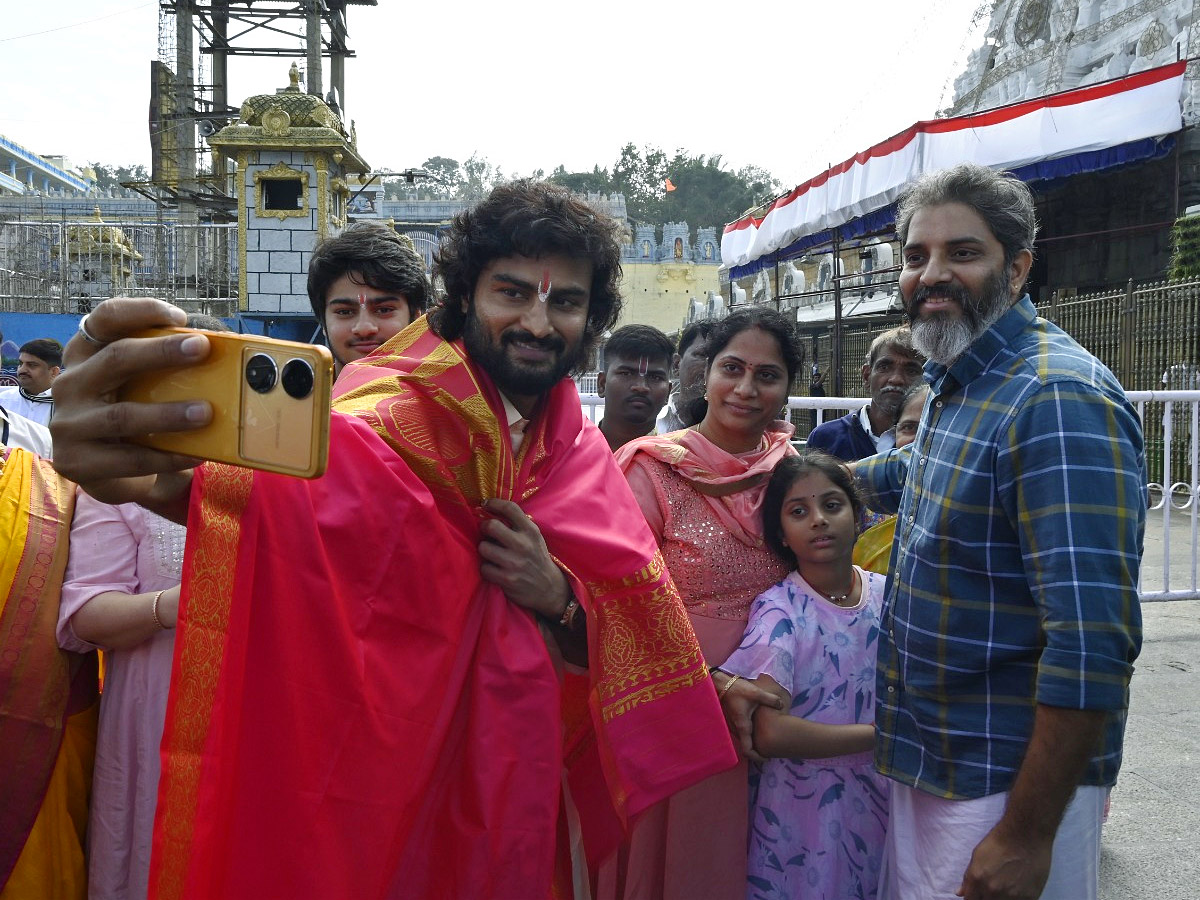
(270, 401)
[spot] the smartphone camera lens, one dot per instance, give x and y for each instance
(298, 378)
(261, 373)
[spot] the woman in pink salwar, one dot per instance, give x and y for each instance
(121, 595)
(701, 491)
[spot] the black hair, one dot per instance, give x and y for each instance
(1001, 199)
(633, 341)
(910, 393)
(374, 255)
(700, 330)
(787, 470)
(532, 219)
(773, 323)
(47, 350)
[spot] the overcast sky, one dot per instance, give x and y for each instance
(528, 84)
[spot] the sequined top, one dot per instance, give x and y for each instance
(717, 575)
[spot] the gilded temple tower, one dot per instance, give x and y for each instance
(293, 155)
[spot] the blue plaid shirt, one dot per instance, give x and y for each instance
(1014, 573)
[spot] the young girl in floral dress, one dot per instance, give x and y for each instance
(819, 808)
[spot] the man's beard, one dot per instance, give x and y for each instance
(512, 377)
(943, 337)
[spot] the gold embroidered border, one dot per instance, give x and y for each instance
(652, 692)
(34, 673)
(647, 647)
(213, 567)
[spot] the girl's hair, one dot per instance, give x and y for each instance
(786, 472)
(773, 323)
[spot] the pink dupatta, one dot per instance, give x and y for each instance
(733, 485)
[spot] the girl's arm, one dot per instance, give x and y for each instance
(778, 734)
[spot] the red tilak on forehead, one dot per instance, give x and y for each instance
(643, 366)
(544, 287)
(362, 301)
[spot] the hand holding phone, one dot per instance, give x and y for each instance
(95, 432)
(270, 402)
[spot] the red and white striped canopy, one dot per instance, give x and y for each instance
(1144, 105)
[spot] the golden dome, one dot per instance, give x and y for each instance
(290, 108)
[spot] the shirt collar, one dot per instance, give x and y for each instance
(516, 422)
(43, 397)
(977, 357)
(511, 413)
(885, 441)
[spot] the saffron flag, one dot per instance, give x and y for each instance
(670, 187)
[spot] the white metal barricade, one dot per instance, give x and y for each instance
(1171, 423)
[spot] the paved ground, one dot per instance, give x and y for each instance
(1150, 847)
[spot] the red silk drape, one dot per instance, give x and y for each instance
(354, 713)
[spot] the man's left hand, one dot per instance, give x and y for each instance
(1007, 867)
(515, 559)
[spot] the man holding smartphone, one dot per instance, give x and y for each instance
(374, 692)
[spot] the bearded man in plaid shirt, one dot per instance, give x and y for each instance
(1012, 621)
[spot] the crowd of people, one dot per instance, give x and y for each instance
(497, 650)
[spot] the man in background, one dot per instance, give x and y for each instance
(635, 382)
(892, 365)
(365, 285)
(40, 363)
(689, 364)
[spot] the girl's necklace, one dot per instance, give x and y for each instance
(840, 599)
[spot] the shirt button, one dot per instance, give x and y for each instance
(911, 519)
(938, 404)
(923, 458)
(891, 690)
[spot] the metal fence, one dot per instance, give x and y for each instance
(69, 266)
(1171, 563)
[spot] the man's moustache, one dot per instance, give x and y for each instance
(957, 294)
(525, 337)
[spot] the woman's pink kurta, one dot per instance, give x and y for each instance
(126, 549)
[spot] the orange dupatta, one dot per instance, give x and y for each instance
(355, 713)
(40, 685)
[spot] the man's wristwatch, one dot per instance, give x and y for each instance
(568, 616)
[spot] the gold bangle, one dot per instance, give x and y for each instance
(725, 690)
(154, 610)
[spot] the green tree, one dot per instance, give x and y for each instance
(705, 192)
(446, 175)
(111, 176)
(597, 181)
(479, 177)
(708, 194)
(641, 176)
